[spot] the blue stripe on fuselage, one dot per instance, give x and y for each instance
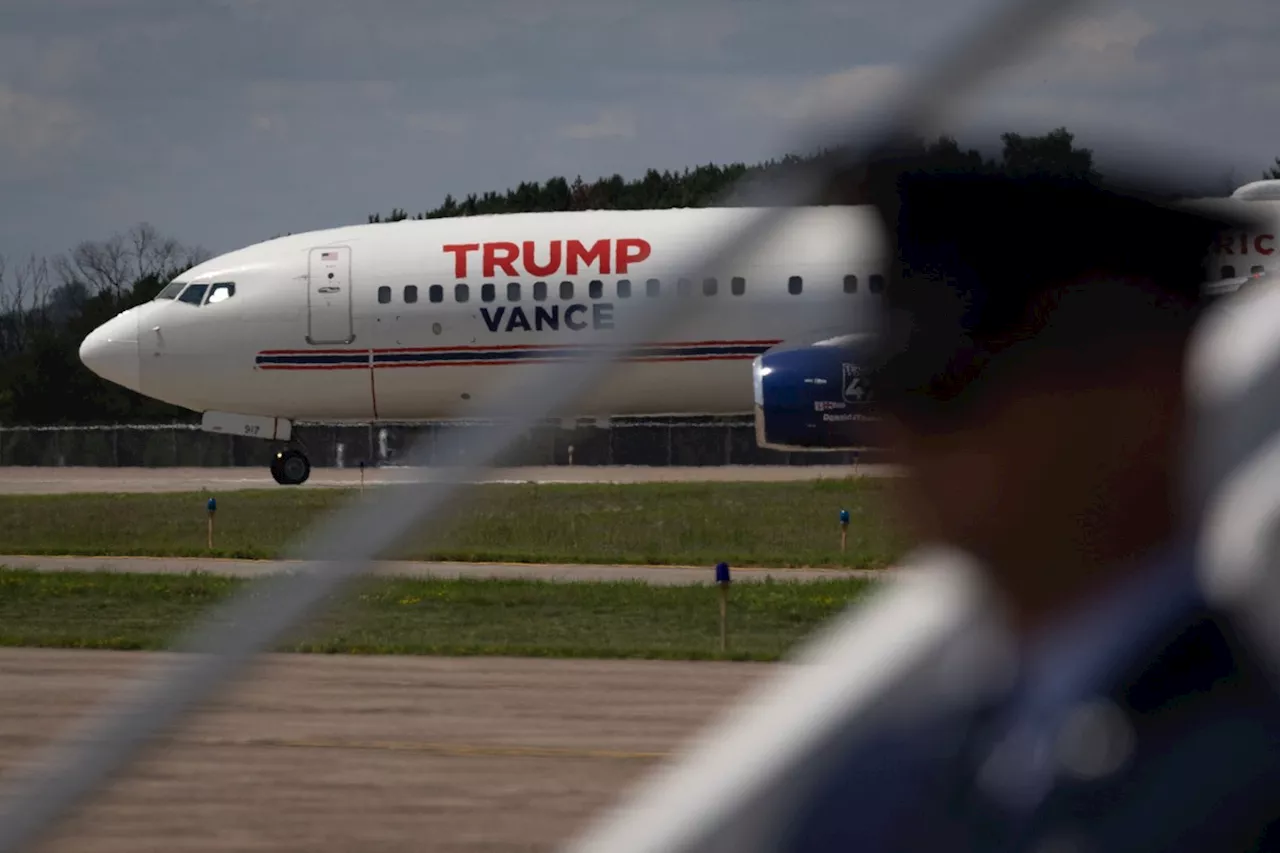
(535, 353)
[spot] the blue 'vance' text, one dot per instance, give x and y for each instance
(574, 317)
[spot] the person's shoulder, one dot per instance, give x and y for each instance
(1198, 681)
(1194, 733)
(1197, 661)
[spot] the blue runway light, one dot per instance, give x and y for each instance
(722, 573)
(844, 516)
(213, 504)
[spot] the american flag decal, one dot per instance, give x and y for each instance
(328, 256)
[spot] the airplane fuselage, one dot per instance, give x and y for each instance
(410, 320)
(444, 319)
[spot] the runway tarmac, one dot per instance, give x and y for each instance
(319, 753)
(19, 480)
(657, 575)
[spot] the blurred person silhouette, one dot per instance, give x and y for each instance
(1031, 378)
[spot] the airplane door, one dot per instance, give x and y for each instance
(329, 296)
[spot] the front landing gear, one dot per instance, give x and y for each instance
(290, 467)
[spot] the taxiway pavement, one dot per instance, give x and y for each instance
(658, 575)
(19, 480)
(335, 753)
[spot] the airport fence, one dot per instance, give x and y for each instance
(647, 442)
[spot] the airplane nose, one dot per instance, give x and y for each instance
(111, 351)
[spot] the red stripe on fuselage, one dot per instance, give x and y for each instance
(639, 359)
(512, 347)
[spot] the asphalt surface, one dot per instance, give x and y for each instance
(335, 753)
(660, 575)
(70, 480)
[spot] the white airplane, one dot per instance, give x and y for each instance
(419, 319)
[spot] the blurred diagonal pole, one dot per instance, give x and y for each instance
(224, 644)
(1235, 475)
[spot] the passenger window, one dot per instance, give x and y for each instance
(877, 284)
(596, 288)
(651, 287)
(709, 287)
(1228, 271)
(461, 292)
(488, 292)
(540, 291)
(222, 290)
(435, 293)
(171, 290)
(851, 284)
(738, 285)
(566, 290)
(411, 293)
(794, 285)
(683, 287)
(384, 295)
(624, 288)
(513, 291)
(194, 294)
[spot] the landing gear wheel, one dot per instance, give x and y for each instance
(291, 467)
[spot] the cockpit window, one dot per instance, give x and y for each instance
(171, 290)
(222, 290)
(194, 294)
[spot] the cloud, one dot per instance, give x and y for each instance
(610, 124)
(65, 63)
(1094, 53)
(268, 123)
(437, 122)
(36, 134)
(805, 101)
(242, 103)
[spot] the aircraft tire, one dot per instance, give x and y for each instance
(291, 467)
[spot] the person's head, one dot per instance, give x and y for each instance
(1035, 335)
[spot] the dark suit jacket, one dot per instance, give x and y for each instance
(1202, 770)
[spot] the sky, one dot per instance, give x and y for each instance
(226, 122)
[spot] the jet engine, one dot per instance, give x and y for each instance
(813, 397)
(1264, 190)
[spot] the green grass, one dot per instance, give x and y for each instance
(745, 524)
(92, 610)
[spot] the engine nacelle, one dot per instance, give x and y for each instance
(813, 397)
(1264, 190)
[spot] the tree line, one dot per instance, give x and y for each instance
(49, 304)
(1053, 153)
